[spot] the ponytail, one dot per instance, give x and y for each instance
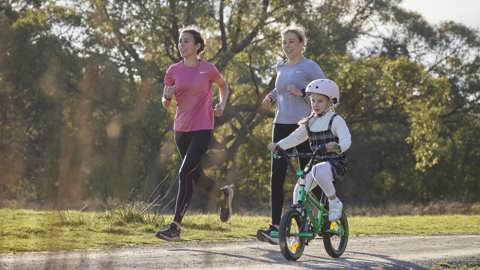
(305, 120)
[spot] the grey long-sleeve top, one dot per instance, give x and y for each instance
(290, 109)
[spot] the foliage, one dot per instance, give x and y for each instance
(80, 99)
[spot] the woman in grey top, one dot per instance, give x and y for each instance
(293, 75)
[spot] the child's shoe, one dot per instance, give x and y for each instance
(335, 208)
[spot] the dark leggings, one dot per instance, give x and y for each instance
(192, 146)
(279, 169)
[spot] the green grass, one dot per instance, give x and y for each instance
(416, 225)
(29, 230)
(445, 265)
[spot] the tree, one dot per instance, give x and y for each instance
(81, 82)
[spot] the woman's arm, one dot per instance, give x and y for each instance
(169, 87)
(270, 98)
(168, 91)
(223, 93)
(314, 72)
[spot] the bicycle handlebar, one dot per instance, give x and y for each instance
(281, 153)
(292, 155)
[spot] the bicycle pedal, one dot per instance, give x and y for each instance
(333, 225)
(305, 235)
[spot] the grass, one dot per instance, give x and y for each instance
(415, 225)
(445, 265)
(29, 230)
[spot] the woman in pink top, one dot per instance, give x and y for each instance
(190, 82)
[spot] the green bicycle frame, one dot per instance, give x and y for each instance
(310, 203)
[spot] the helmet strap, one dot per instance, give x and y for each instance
(328, 109)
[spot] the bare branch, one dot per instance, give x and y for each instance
(223, 35)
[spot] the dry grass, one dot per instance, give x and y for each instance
(30, 230)
(433, 208)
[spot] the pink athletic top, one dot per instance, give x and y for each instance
(193, 92)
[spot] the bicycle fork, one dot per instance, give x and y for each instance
(305, 232)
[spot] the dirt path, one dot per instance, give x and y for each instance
(386, 252)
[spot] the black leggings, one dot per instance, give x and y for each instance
(192, 146)
(279, 169)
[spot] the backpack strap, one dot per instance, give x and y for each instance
(307, 127)
(331, 121)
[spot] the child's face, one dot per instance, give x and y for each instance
(319, 102)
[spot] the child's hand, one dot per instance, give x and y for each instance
(272, 146)
(333, 147)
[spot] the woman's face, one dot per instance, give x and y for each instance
(186, 45)
(319, 102)
(291, 45)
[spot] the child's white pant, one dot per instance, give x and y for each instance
(321, 174)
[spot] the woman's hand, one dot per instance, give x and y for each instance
(294, 91)
(166, 102)
(168, 91)
(333, 147)
(167, 95)
(267, 102)
(223, 93)
(218, 109)
(272, 147)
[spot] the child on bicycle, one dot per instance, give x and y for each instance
(326, 132)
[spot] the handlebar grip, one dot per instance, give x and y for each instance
(279, 153)
(321, 149)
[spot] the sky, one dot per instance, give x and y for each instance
(435, 11)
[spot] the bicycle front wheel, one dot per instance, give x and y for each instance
(291, 244)
(335, 236)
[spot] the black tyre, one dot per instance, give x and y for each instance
(290, 243)
(335, 241)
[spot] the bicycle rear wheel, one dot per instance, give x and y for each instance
(291, 244)
(335, 236)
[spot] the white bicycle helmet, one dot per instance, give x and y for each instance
(325, 87)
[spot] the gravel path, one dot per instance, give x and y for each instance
(380, 252)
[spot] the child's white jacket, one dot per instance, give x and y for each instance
(339, 128)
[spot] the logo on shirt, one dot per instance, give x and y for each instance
(299, 71)
(203, 72)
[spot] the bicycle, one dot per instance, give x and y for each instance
(311, 218)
